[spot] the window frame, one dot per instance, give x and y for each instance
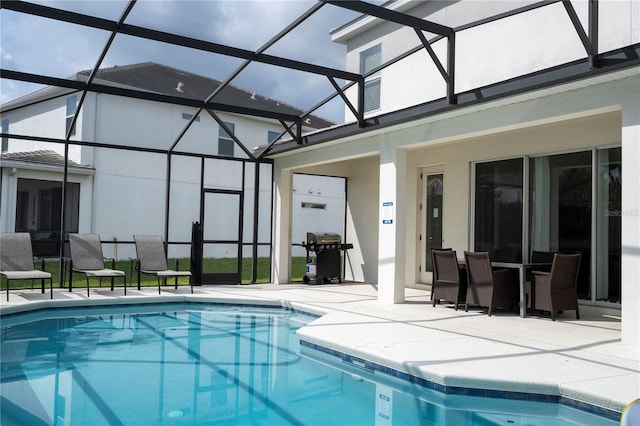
(370, 59)
(226, 144)
(5, 140)
(69, 113)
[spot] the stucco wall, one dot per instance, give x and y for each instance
(46, 119)
(486, 54)
(361, 215)
(455, 160)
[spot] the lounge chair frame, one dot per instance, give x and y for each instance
(17, 261)
(152, 260)
(87, 258)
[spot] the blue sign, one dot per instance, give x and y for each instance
(387, 212)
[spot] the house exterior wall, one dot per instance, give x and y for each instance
(361, 210)
(127, 193)
(44, 119)
(485, 54)
(599, 112)
(324, 190)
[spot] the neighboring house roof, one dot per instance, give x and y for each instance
(158, 78)
(43, 158)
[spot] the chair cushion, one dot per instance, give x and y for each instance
(168, 273)
(101, 272)
(26, 275)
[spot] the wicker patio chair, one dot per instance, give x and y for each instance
(152, 260)
(542, 261)
(487, 287)
(87, 258)
(556, 290)
(448, 284)
(17, 261)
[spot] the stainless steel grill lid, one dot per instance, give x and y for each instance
(319, 238)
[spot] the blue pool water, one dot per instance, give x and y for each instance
(197, 364)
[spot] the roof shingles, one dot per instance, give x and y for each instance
(163, 79)
(45, 157)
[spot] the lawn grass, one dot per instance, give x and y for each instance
(210, 265)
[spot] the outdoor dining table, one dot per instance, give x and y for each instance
(522, 268)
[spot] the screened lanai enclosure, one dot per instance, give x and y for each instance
(173, 113)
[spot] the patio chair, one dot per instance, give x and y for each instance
(542, 261)
(17, 261)
(87, 258)
(487, 287)
(448, 284)
(152, 260)
(542, 256)
(556, 290)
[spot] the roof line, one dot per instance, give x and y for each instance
(619, 59)
(140, 94)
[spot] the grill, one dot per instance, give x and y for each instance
(327, 248)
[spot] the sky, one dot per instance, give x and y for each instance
(41, 46)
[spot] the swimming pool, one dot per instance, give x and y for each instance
(197, 364)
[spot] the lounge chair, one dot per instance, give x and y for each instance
(556, 290)
(152, 260)
(17, 261)
(448, 284)
(87, 258)
(487, 287)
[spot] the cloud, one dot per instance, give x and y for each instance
(5, 56)
(48, 47)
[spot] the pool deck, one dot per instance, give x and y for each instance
(582, 360)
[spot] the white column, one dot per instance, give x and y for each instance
(281, 260)
(392, 221)
(631, 220)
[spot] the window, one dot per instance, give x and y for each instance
(186, 116)
(39, 210)
(72, 105)
(308, 205)
(225, 141)
(271, 136)
(369, 60)
(5, 140)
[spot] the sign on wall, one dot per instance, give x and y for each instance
(387, 212)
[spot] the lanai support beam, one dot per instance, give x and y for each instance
(173, 39)
(358, 113)
(590, 40)
(231, 135)
(593, 33)
(70, 131)
(447, 74)
(392, 16)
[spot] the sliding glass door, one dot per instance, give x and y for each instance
(560, 205)
(573, 206)
(498, 209)
(608, 225)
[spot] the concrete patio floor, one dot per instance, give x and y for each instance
(583, 360)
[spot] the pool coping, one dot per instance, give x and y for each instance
(584, 401)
